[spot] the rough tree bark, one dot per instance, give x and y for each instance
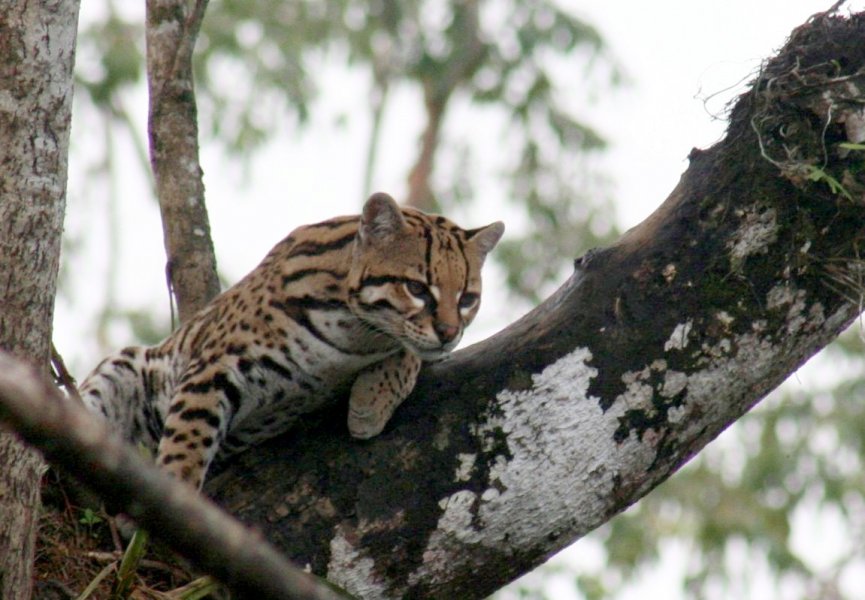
(521, 444)
(172, 28)
(37, 50)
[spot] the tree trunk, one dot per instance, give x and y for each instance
(439, 84)
(37, 50)
(516, 447)
(420, 194)
(172, 28)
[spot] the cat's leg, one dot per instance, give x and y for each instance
(197, 421)
(377, 392)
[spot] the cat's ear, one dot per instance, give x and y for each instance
(381, 219)
(486, 238)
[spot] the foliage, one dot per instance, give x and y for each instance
(89, 518)
(126, 572)
(815, 173)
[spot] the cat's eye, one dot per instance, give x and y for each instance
(468, 299)
(417, 289)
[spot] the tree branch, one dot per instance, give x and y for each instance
(82, 445)
(173, 127)
(521, 444)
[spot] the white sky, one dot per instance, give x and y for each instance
(676, 54)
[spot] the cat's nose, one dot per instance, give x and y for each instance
(446, 332)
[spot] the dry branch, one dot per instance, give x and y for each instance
(83, 446)
(521, 444)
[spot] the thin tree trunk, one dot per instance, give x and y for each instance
(172, 28)
(37, 51)
(469, 50)
(420, 194)
(381, 87)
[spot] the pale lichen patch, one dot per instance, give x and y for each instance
(464, 469)
(442, 438)
(759, 229)
(458, 514)
(8, 104)
(563, 464)
(725, 318)
(679, 338)
(720, 367)
(854, 125)
(352, 571)
(637, 394)
(796, 317)
(550, 476)
(674, 382)
(669, 272)
(781, 295)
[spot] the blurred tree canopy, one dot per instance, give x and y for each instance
(797, 457)
(503, 56)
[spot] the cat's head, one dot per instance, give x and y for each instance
(417, 277)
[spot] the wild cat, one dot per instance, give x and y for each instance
(353, 303)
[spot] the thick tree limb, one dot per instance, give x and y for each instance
(174, 513)
(172, 29)
(519, 445)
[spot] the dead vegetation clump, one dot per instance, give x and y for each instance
(78, 545)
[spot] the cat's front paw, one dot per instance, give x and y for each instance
(364, 424)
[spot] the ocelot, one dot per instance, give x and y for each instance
(353, 304)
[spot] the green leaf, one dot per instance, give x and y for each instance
(129, 565)
(89, 517)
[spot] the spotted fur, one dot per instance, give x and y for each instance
(354, 303)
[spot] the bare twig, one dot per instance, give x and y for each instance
(186, 521)
(156, 565)
(831, 10)
(62, 374)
